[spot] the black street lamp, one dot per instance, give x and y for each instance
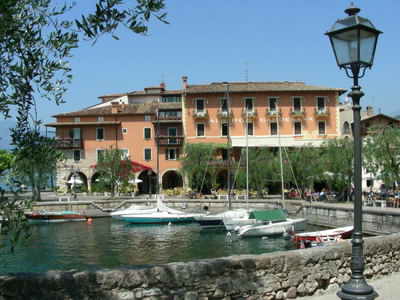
(354, 40)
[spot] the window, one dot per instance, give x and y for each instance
(224, 105)
(147, 154)
(75, 133)
(200, 129)
(77, 119)
(100, 154)
(250, 129)
(169, 99)
(321, 103)
(100, 119)
(147, 118)
(224, 129)
(77, 155)
(296, 103)
(248, 104)
(199, 105)
(124, 130)
(297, 128)
(124, 153)
(99, 134)
(171, 154)
(274, 128)
(170, 114)
(346, 128)
(147, 133)
(172, 131)
(273, 101)
(321, 127)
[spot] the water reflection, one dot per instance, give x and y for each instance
(107, 243)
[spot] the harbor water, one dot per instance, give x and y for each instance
(108, 243)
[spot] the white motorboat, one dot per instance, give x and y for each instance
(211, 221)
(133, 209)
(272, 228)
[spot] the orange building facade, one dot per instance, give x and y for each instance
(151, 126)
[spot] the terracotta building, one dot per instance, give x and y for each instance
(151, 126)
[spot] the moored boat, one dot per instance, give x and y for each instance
(54, 216)
(317, 238)
(215, 221)
(161, 217)
(270, 222)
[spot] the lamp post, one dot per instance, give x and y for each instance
(354, 41)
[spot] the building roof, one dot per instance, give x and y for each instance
(123, 109)
(222, 87)
(56, 124)
(380, 116)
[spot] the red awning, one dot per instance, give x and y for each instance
(136, 167)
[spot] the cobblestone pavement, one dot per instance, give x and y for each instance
(387, 287)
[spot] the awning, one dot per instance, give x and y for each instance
(273, 215)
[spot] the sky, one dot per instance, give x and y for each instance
(233, 40)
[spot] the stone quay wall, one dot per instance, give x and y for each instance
(280, 275)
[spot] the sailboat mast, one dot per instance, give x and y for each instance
(247, 158)
(280, 158)
(229, 146)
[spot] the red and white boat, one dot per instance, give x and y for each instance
(54, 216)
(322, 238)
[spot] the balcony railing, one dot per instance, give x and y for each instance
(170, 140)
(297, 112)
(321, 112)
(273, 113)
(69, 143)
(224, 114)
(169, 118)
(200, 114)
(250, 114)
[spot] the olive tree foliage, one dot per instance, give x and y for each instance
(382, 154)
(114, 170)
(35, 160)
(196, 167)
(6, 158)
(263, 169)
(337, 160)
(302, 167)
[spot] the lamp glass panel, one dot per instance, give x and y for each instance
(367, 46)
(345, 45)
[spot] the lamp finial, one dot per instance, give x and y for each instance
(352, 10)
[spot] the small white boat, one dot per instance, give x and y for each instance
(133, 209)
(215, 221)
(322, 237)
(272, 228)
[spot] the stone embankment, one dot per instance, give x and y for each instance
(280, 275)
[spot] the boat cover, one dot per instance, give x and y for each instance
(273, 215)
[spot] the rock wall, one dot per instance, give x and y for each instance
(280, 275)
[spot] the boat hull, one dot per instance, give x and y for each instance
(156, 220)
(310, 239)
(53, 218)
(272, 229)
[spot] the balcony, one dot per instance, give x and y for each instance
(224, 114)
(249, 114)
(168, 119)
(321, 112)
(69, 143)
(200, 115)
(170, 140)
(273, 114)
(297, 112)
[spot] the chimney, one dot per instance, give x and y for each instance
(184, 82)
(370, 111)
(162, 86)
(114, 107)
